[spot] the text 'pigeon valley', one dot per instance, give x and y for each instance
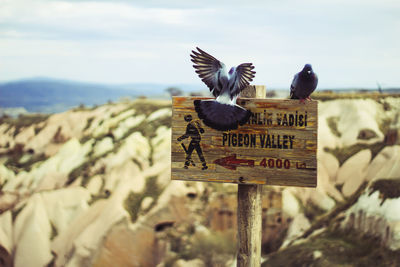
(258, 140)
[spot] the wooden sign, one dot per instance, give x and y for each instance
(277, 146)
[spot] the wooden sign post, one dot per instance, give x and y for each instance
(249, 214)
(277, 146)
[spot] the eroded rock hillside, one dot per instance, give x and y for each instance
(91, 187)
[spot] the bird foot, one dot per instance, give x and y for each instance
(304, 100)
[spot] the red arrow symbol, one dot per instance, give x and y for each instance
(231, 162)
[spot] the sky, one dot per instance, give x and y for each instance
(350, 43)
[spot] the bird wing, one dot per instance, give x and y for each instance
(293, 86)
(242, 76)
(209, 70)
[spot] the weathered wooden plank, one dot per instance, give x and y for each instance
(276, 147)
(249, 225)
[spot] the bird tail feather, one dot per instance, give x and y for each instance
(219, 116)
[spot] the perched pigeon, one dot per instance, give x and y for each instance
(303, 84)
(221, 113)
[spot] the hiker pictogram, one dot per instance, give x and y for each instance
(194, 131)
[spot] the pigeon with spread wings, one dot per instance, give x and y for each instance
(303, 84)
(221, 113)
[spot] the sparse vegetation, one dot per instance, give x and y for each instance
(328, 219)
(193, 241)
(311, 211)
(88, 123)
(213, 248)
(15, 212)
(133, 201)
(23, 121)
(333, 125)
(54, 231)
(388, 188)
(174, 91)
(327, 95)
(343, 154)
(335, 249)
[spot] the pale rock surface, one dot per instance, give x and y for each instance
(127, 245)
(317, 254)
(70, 124)
(89, 240)
(380, 164)
(353, 116)
(189, 263)
(25, 135)
(71, 155)
(8, 200)
(127, 173)
(102, 113)
(64, 245)
(85, 233)
(175, 188)
(105, 145)
(52, 180)
(127, 124)
(6, 137)
(370, 216)
(353, 172)
(64, 205)
(40, 141)
(164, 112)
(162, 144)
(357, 115)
(325, 186)
(330, 163)
(395, 240)
(3, 128)
(51, 149)
(161, 169)
(146, 203)
(391, 167)
(96, 116)
(135, 146)
(325, 136)
(111, 123)
(5, 174)
(6, 231)
(95, 184)
(25, 158)
(299, 224)
(323, 196)
(32, 235)
(290, 204)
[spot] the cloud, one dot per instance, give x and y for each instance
(349, 43)
(62, 19)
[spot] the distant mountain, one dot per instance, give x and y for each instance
(53, 95)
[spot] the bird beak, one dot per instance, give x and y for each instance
(309, 71)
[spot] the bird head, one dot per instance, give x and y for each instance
(231, 70)
(307, 69)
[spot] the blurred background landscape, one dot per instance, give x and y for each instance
(85, 132)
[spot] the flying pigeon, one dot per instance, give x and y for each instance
(303, 84)
(222, 113)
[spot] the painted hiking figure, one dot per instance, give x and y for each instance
(193, 130)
